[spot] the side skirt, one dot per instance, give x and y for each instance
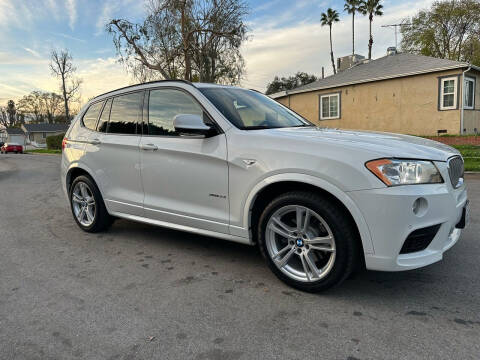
(214, 234)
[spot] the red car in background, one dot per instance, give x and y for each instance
(11, 147)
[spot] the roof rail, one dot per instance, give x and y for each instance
(145, 83)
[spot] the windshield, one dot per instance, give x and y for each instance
(249, 110)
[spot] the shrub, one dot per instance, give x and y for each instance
(54, 142)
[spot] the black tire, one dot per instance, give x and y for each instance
(347, 253)
(102, 219)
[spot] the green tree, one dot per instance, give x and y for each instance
(329, 18)
(448, 30)
(288, 83)
(371, 8)
(352, 7)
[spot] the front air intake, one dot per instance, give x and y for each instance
(419, 239)
(455, 170)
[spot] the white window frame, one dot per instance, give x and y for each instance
(337, 95)
(467, 80)
(455, 93)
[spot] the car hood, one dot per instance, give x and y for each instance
(381, 143)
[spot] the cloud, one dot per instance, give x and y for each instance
(72, 13)
(276, 49)
(19, 76)
(33, 52)
(69, 37)
(112, 8)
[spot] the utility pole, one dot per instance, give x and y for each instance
(396, 26)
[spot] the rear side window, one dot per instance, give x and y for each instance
(91, 116)
(125, 114)
(164, 105)
(103, 121)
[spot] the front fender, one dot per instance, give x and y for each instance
(342, 196)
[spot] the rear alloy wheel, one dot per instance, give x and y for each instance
(308, 241)
(87, 205)
(83, 203)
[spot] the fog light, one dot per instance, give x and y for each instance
(420, 207)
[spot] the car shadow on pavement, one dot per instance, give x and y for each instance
(388, 286)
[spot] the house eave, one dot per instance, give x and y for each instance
(380, 78)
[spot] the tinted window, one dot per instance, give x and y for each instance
(91, 116)
(164, 105)
(103, 121)
(126, 113)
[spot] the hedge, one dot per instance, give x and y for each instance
(54, 142)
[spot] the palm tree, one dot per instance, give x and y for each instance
(372, 8)
(329, 18)
(351, 7)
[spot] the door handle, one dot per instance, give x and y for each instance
(148, 147)
(94, 141)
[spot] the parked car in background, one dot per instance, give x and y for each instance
(11, 147)
(234, 164)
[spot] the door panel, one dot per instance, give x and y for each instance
(114, 156)
(185, 180)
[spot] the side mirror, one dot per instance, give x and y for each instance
(190, 124)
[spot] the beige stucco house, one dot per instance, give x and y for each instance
(403, 93)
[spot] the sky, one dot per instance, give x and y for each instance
(285, 36)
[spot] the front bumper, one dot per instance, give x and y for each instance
(390, 218)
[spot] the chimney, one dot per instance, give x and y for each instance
(323, 72)
(347, 62)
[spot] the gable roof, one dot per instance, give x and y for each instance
(45, 127)
(387, 67)
(14, 131)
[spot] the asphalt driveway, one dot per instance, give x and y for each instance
(141, 292)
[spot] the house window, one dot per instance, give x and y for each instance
(44, 135)
(469, 91)
(330, 106)
(448, 93)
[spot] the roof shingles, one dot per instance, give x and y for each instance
(45, 127)
(387, 67)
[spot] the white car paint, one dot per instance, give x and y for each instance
(171, 186)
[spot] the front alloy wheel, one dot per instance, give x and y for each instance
(300, 243)
(308, 240)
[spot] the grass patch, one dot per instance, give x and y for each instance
(471, 155)
(44, 151)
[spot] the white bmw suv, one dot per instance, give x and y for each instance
(232, 163)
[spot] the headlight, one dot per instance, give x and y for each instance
(404, 172)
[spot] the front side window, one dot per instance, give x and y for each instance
(125, 114)
(91, 116)
(469, 91)
(448, 93)
(164, 105)
(329, 106)
(250, 110)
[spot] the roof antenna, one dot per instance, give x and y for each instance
(396, 26)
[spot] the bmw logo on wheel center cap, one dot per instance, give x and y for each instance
(299, 242)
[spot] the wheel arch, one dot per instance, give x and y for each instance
(77, 170)
(278, 184)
